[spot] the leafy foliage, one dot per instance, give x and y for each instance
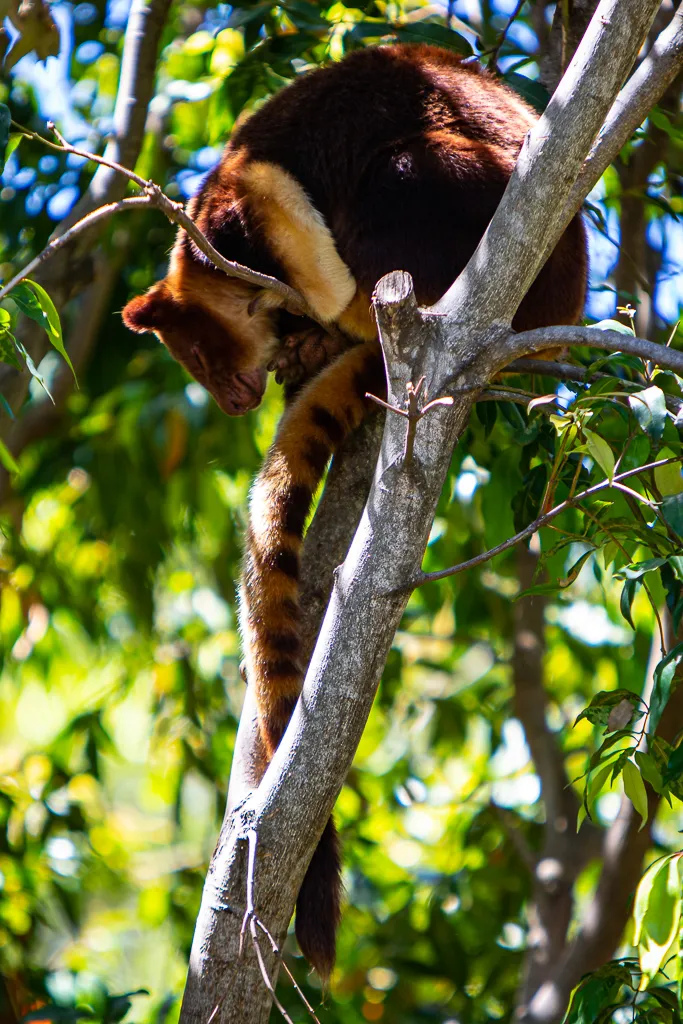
(120, 686)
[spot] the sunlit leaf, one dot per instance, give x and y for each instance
(595, 992)
(600, 451)
(636, 570)
(635, 790)
(649, 770)
(649, 409)
(656, 915)
(50, 319)
(613, 325)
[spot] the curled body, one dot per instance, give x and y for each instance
(393, 159)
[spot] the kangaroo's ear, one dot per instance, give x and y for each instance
(152, 311)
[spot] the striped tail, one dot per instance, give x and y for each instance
(311, 430)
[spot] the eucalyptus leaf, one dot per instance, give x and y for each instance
(649, 409)
(50, 321)
(672, 510)
(628, 593)
(662, 685)
(5, 121)
(634, 788)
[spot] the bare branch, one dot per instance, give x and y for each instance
(136, 88)
(486, 556)
(493, 63)
(61, 241)
(611, 341)
(152, 196)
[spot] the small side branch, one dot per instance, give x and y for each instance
(61, 241)
(611, 341)
(486, 556)
(153, 196)
(413, 413)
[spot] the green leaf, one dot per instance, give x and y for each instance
(656, 916)
(12, 144)
(595, 992)
(663, 680)
(649, 409)
(672, 510)
(533, 92)
(615, 737)
(600, 452)
(628, 593)
(668, 478)
(576, 568)
(7, 459)
(634, 787)
(487, 413)
(8, 348)
(594, 785)
(649, 770)
(5, 121)
(674, 767)
(439, 35)
(635, 570)
(612, 325)
(598, 711)
(33, 370)
(49, 321)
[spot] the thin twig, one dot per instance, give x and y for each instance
(493, 62)
(153, 196)
(132, 202)
(413, 413)
(252, 840)
(430, 577)
(264, 972)
(283, 963)
(252, 921)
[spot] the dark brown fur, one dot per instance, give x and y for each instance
(395, 158)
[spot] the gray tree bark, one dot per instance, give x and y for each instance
(269, 834)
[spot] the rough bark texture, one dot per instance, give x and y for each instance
(458, 345)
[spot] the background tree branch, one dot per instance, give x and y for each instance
(66, 275)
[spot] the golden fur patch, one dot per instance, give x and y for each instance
(358, 319)
(300, 238)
